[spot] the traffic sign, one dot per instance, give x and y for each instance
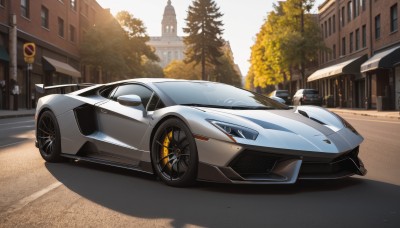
(29, 50)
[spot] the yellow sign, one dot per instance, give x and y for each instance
(29, 60)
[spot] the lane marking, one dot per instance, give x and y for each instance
(12, 144)
(25, 201)
(11, 128)
(27, 121)
(380, 121)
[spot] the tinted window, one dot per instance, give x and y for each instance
(133, 89)
(155, 103)
(282, 93)
(208, 94)
(310, 91)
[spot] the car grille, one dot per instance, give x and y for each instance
(346, 163)
(253, 162)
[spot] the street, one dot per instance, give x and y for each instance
(34, 193)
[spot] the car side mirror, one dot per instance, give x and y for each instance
(129, 100)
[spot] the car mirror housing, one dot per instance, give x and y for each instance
(129, 100)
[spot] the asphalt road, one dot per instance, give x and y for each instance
(34, 193)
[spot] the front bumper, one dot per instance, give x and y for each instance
(256, 167)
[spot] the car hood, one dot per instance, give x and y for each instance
(306, 128)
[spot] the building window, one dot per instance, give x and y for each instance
(334, 51)
(343, 46)
(364, 36)
(378, 26)
(326, 30)
(61, 27)
(393, 18)
(349, 11)
(72, 33)
(342, 19)
(330, 26)
(357, 39)
(25, 8)
(333, 24)
(44, 14)
(322, 30)
(73, 4)
(351, 42)
(356, 8)
(363, 5)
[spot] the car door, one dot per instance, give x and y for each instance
(121, 127)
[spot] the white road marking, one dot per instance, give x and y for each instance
(25, 201)
(26, 126)
(380, 121)
(27, 121)
(12, 144)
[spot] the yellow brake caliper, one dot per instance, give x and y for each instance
(164, 150)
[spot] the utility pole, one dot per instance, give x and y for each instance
(13, 57)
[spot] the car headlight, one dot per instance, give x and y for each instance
(235, 131)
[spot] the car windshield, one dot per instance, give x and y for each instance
(215, 95)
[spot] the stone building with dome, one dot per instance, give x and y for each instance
(169, 46)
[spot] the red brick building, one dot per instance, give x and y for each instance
(362, 67)
(56, 27)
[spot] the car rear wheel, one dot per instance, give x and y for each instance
(48, 137)
(174, 154)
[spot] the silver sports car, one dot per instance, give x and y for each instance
(184, 131)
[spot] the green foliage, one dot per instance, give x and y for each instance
(118, 47)
(204, 41)
(225, 72)
(284, 43)
(181, 70)
(152, 70)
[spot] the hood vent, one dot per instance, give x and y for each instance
(303, 113)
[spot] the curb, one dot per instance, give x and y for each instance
(366, 114)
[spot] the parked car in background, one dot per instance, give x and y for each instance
(284, 94)
(307, 97)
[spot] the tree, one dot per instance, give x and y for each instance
(136, 48)
(289, 39)
(204, 42)
(181, 70)
(103, 47)
(118, 47)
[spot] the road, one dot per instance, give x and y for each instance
(34, 193)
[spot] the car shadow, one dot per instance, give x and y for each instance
(348, 202)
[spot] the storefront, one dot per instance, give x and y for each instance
(382, 75)
(337, 83)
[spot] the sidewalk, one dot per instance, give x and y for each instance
(20, 113)
(363, 112)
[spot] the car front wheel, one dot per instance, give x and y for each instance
(174, 153)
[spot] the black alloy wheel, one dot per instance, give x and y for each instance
(174, 154)
(48, 137)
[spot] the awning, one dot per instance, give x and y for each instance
(386, 59)
(50, 64)
(4, 55)
(351, 66)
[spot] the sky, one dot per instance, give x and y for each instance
(242, 20)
